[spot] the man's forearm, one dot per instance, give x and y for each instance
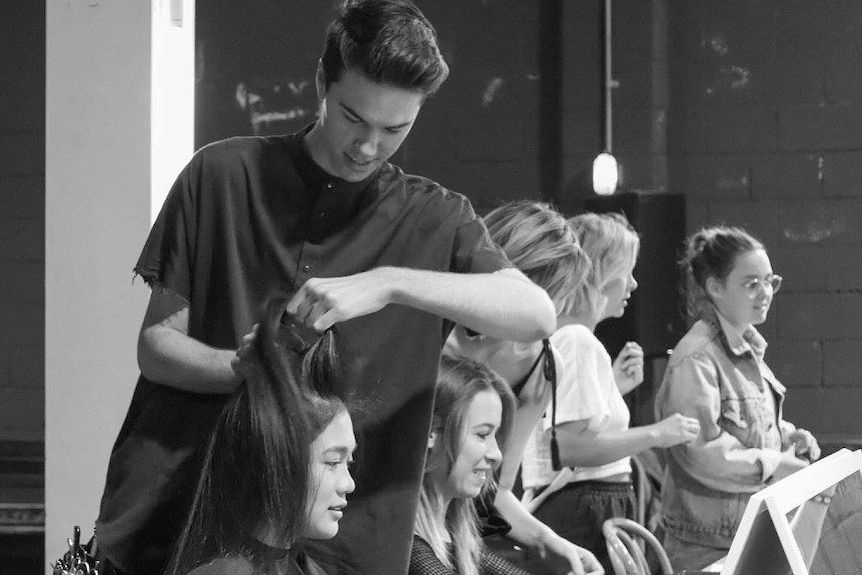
(171, 358)
(504, 304)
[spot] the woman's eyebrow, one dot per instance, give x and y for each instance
(341, 450)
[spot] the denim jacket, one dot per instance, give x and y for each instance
(718, 375)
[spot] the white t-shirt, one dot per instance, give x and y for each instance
(586, 391)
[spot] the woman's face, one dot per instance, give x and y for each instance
(479, 452)
(746, 294)
(617, 291)
(331, 453)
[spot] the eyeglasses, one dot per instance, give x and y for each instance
(771, 283)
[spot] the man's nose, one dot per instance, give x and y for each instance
(368, 143)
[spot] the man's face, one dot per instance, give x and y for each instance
(362, 123)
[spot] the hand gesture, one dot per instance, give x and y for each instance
(629, 367)
(322, 302)
(676, 429)
(804, 444)
(788, 464)
(581, 560)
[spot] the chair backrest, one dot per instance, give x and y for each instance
(626, 553)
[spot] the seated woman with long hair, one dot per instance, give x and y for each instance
(276, 468)
(473, 410)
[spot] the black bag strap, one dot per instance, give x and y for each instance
(549, 372)
(518, 387)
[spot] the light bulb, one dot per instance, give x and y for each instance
(606, 174)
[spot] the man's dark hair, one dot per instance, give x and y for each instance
(389, 41)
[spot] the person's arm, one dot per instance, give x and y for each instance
(716, 459)
(503, 304)
(584, 448)
(529, 531)
(167, 355)
(526, 529)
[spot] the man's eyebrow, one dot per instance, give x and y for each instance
(351, 111)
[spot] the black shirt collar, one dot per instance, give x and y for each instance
(316, 178)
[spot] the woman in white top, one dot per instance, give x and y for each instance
(592, 419)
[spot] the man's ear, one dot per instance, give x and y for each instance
(319, 81)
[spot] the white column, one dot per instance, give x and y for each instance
(102, 122)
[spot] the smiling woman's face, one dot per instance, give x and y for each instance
(731, 296)
(331, 481)
(479, 452)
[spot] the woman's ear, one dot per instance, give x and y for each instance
(713, 287)
(432, 439)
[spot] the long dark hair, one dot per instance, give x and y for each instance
(256, 468)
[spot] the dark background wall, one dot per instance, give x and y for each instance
(751, 109)
(22, 246)
(22, 285)
(765, 131)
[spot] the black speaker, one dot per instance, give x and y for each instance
(654, 316)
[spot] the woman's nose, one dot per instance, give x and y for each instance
(494, 455)
(347, 484)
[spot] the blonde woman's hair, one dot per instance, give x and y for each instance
(612, 245)
(459, 380)
(539, 242)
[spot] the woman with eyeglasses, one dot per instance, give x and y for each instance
(717, 373)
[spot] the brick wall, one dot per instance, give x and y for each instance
(22, 220)
(765, 131)
(753, 110)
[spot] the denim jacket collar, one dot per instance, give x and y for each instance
(738, 344)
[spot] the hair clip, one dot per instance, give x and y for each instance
(300, 337)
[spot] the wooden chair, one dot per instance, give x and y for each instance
(626, 553)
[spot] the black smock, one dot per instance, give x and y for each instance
(252, 216)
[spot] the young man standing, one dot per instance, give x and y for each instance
(393, 259)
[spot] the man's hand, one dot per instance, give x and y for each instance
(322, 302)
(629, 367)
(582, 561)
(804, 443)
